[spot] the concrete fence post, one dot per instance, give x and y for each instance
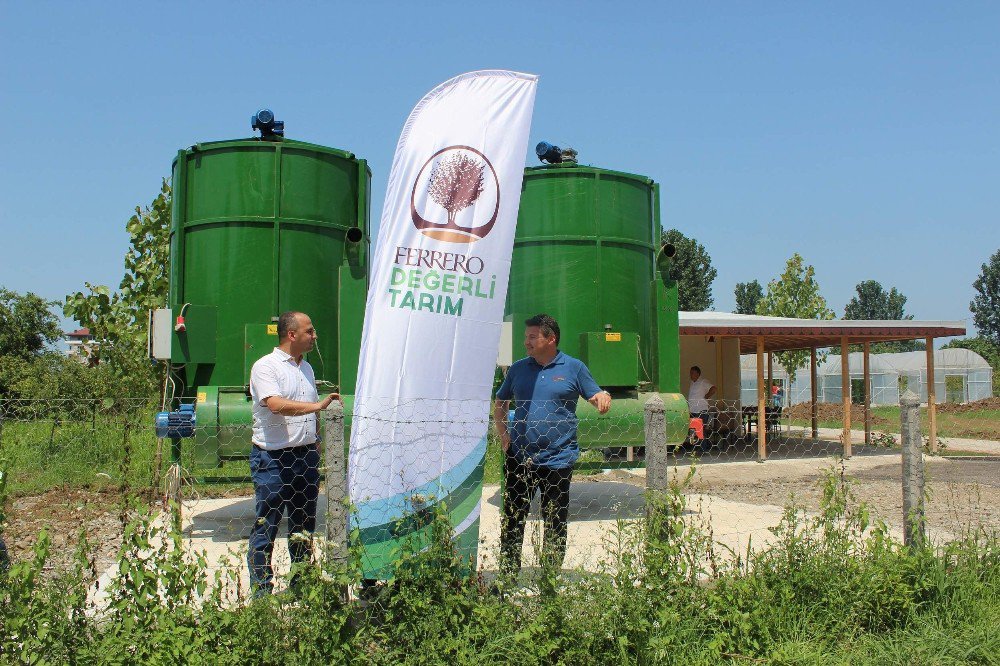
(913, 470)
(657, 452)
(336, 483)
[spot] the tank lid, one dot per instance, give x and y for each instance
(254, 142)
(541, 169)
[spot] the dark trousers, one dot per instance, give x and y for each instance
(520, 483)
(282, 479)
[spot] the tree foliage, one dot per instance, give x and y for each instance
(985, 305)
(748, 295)
(795, 293)
(874, 302)
(27, 326)
(692, 268)
(117, 320)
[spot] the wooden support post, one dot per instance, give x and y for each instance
(720, 375)
(868, 397)
(845, 392)
(722, 415)
(770, 375)
(932, 444)
(814, 392)
(761, 407)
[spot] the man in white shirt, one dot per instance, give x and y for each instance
(284, 457)
(699, 393)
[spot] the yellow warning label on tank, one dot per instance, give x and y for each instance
(202, 396)
(272, 329)
(612, 337)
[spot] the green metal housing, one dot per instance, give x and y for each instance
(587, 251)
(260, 227)
(583, 252)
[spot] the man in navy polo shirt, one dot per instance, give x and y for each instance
(540, 451)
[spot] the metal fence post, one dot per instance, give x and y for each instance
(913, 470)
(336, 482)
(657, 453)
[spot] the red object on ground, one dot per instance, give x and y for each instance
(699, 428)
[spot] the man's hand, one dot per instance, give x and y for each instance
(286, 407)
(328, 400)
(500, 408)
(602, 401)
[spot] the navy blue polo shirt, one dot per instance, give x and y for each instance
(545, 408)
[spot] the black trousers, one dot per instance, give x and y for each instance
(520, 483)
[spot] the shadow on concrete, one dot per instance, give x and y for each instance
(229, 520)
(591, 500)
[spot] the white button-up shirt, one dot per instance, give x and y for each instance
(278, 374)
(696, 395)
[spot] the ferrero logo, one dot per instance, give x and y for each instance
(455, 196)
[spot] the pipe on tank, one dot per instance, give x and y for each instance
(352, 245)
(663, 262)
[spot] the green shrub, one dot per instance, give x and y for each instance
(832, 588)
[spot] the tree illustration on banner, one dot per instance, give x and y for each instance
(456, 183)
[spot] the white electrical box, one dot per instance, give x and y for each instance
(505, 355)
(161, 329)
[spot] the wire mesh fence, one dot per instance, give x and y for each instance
(380, 475)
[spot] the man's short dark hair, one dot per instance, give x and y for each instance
(547, 324)
(287, 322)
(696, 369)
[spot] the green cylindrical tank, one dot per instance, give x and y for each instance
(583, 253)
(260, 227)
(587, 251)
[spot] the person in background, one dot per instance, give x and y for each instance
(698, 394)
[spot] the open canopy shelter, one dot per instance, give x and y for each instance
(732, 334)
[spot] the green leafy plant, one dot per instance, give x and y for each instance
(795, 293)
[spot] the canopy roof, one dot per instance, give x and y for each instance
(781, 333)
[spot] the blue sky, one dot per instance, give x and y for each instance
(865, 138)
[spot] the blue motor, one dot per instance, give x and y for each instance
(548, 153)
(264, 121)
(177, 424)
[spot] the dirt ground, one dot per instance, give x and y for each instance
(986, 404)
(65, 513)
(962, 493)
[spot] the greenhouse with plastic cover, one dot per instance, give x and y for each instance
(960, 376)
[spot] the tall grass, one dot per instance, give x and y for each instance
(115, 451)
(833, 588)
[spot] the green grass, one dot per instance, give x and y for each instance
(982, 424)
(42, 455)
